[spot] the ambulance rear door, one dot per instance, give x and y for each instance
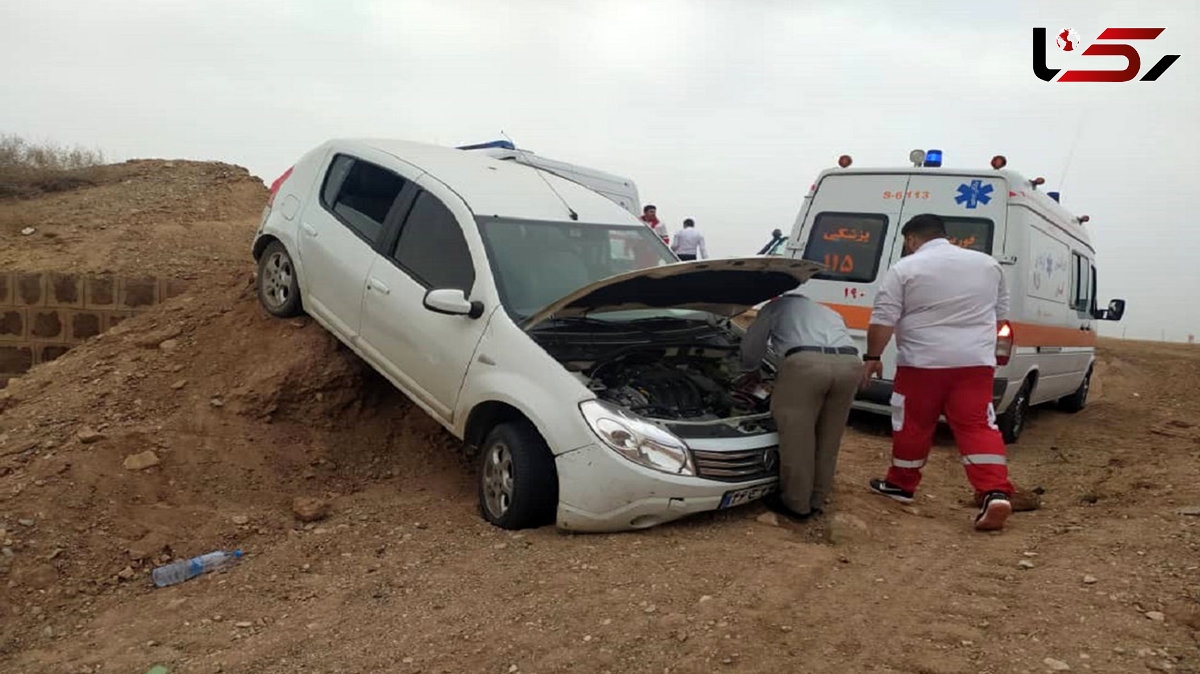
(974, 208)
(849, 228)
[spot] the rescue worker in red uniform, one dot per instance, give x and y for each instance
(943, 303)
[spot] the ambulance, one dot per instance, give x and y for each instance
(850, 223)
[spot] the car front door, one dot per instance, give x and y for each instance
(339, 237)
(426, 352)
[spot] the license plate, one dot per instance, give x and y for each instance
(743, 496)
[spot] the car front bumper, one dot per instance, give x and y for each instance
(600, 491)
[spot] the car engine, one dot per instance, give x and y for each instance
(679, 384)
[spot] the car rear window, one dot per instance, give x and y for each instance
(847, 244)
(972, 233)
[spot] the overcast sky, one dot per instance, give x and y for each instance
(720, 111)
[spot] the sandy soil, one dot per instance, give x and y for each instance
(245, 413)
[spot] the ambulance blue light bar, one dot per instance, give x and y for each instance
(504, 144)
(933, 158)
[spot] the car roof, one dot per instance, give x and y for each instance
(503, 188)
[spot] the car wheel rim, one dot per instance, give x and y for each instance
(1087, 386)
(498, 479)
(277, 279)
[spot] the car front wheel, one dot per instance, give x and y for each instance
(518, 484)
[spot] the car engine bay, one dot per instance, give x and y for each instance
(680, 383)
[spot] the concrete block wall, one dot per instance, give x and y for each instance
(44, 314)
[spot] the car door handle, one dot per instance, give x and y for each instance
(374, 284)
(309, 230)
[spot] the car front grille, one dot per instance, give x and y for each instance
(737, 466)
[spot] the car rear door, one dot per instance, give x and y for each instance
(339, 236)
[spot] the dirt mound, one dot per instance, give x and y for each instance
(180, 219)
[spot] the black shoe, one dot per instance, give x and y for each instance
(774, 503)
(994, 512)
(885, 488)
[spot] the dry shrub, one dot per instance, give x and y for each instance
(28, 169)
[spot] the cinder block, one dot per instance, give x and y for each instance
(31, 290)
(64, 290)
(6, 289)
(46, 325)
(13, 321)
(112, 318)
(136, 293)
(85, 324)
(44, 353)
(15, 359)
(100, 292)
(171, 287)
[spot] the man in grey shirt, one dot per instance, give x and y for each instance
(815, 385)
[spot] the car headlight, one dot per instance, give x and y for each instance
(637, 439)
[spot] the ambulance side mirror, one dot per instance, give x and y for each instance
(1114, 312)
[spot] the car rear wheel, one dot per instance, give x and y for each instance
(278, 286)
(1012, 422)
(518, 484)
(1077, 400)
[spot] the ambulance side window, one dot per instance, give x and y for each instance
(1092, 306)
(1081, 283)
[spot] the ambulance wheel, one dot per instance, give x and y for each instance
(1077, 400)
(1012, 422)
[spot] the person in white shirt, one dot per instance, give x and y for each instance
(815, 385)
(943, 303)
(689, 242)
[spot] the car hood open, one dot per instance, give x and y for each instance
(726, 287)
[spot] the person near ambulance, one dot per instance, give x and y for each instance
(943, 304)
(650, 218)
(689, 243)
(814, 388)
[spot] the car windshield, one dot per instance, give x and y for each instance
(538, 262)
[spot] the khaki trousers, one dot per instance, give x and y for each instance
(811, 403)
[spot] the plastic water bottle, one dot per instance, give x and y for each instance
(186, 569)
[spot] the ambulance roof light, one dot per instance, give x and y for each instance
(845, 161)
(1083, 219)
(917, 157)
(1037, 181)
(999, 162)
(933, 158)
(1053, 195)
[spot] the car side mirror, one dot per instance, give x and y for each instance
(1114, 312)
(452, 302)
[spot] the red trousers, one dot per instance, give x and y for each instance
(964, 396)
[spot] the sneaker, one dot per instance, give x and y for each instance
(994, 512)
(885, 488)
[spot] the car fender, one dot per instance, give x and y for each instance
(510, 368)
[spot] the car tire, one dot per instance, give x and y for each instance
(1077, 400)
(1012, 422)
(277, 284)
(518, 484)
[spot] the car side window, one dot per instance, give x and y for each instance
(431, 247)
(360, 194)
